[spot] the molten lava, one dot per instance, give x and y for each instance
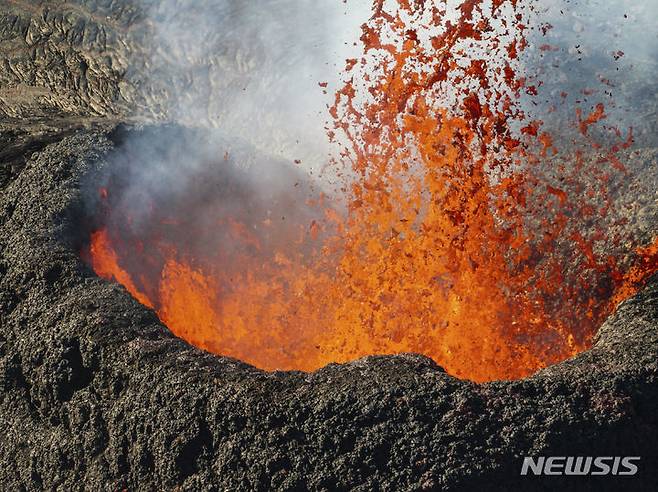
(467, 235)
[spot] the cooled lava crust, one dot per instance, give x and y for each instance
(98, 394)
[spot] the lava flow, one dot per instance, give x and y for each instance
(462, 231)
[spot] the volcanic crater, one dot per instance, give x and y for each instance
(97, 390)
(98, 393)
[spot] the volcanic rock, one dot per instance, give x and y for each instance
(98, 394)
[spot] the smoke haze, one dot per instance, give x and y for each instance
(253, 69)
(249, 73)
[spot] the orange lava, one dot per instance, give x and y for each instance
(458, 241)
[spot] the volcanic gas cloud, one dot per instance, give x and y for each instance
(461, 229)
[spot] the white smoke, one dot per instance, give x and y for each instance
(245, 83)
(601, 51)
(251, 72)
(252, 69)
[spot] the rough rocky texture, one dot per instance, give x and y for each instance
(98, 394)
(67, 65)
(75, 58)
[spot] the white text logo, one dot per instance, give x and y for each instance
(580, 465)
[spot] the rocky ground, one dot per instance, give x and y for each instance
(97, 394)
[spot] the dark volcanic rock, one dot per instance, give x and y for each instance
(98, 394)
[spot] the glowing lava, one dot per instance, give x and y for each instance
(463, 236)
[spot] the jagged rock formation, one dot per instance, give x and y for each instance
(97, 394)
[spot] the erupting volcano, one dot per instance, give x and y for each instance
(461, 229)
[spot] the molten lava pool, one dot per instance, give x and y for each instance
(460, 229)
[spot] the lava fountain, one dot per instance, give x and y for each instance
(460, 228)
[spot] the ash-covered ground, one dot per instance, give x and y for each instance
(97, 394)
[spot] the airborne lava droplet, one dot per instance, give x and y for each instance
(455, 243)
